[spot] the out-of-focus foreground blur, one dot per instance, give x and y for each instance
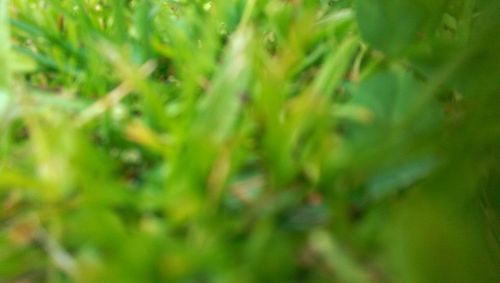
(250, 141)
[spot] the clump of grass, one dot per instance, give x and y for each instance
(249, 141)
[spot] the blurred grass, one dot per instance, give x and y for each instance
(249, 141)
(5, 74)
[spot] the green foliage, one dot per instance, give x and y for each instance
(249, 141)
(392, 26)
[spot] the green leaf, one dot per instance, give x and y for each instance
(391, 180)
(393, 25)
(393, 97)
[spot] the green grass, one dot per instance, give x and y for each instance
(249, 141)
